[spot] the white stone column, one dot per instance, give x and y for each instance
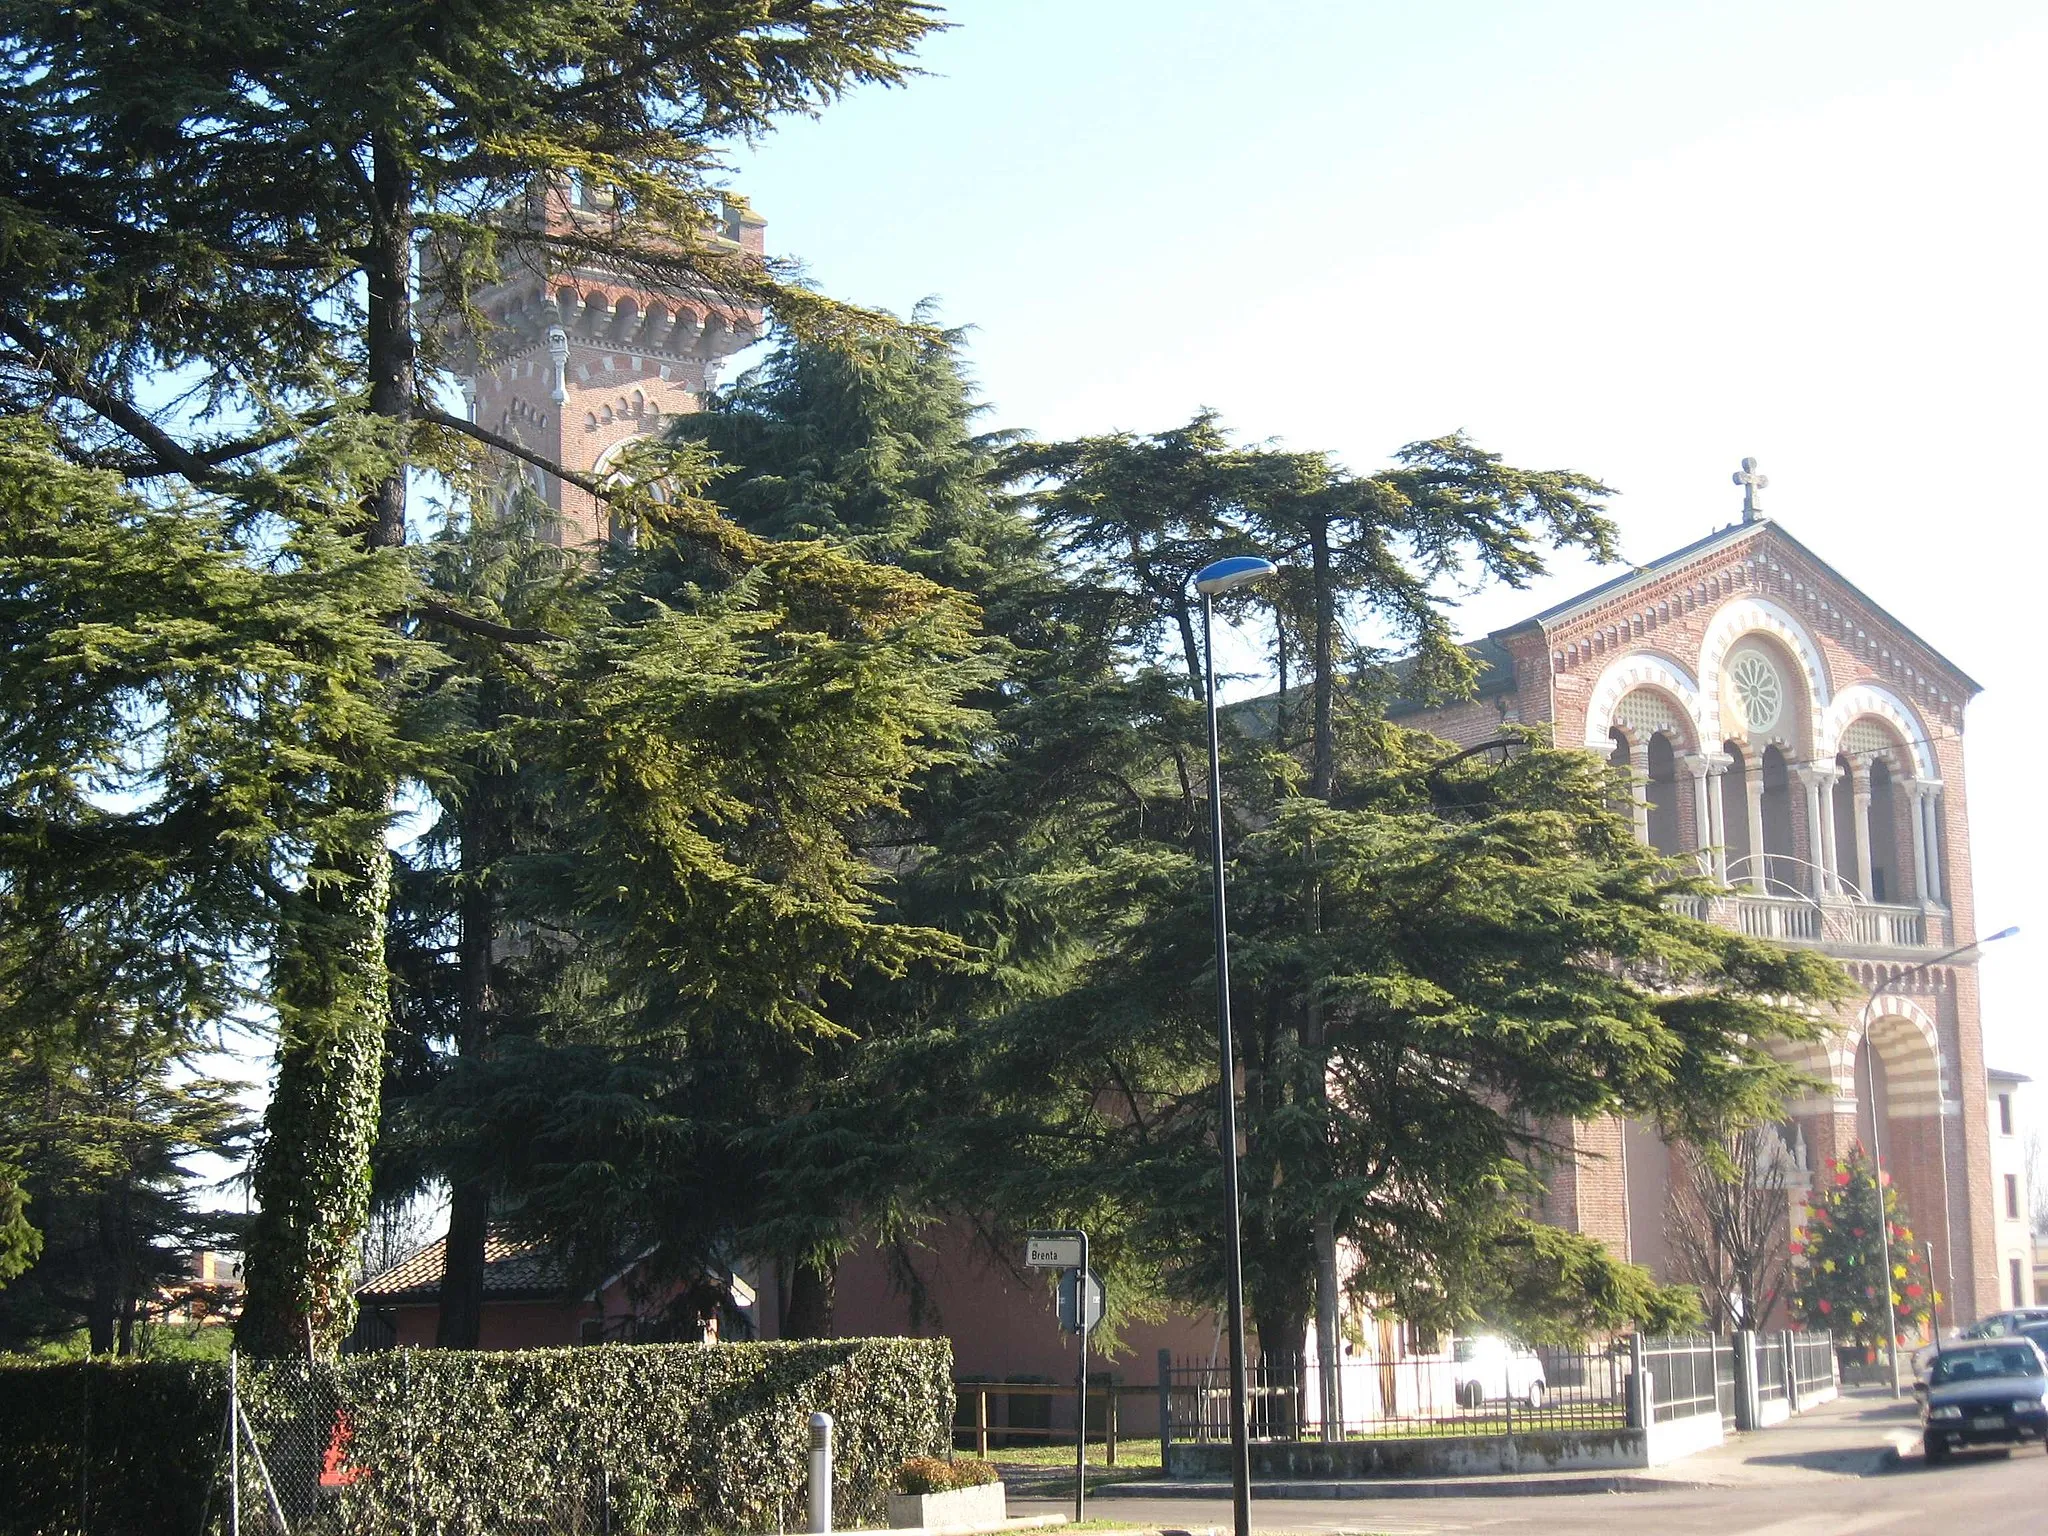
(1639, 787)
(1916, 790)
(1831, 859)
(1930, 808)
(1816, 865)
(1753, 782)
(1702, 827)
(1859, 786)
(1717, 811)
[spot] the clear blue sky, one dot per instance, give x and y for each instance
(1641, 240)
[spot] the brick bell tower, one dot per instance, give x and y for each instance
(585, 358)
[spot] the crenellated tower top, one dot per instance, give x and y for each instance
(586, 358)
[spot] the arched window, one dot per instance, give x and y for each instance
(1885, 818)
(1781, 862)
(1735, 812)
(1663, 792)
(1845, 829)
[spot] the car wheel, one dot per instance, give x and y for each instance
(1535, 1397)
(1937, 1451)
(1469, 1395)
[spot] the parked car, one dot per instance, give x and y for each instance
(1997, 1325)
(1992, 1392)
(1488, 1368)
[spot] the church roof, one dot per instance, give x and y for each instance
(513, 1271)
(1714, 543)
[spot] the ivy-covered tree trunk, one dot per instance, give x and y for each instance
(312, 1178)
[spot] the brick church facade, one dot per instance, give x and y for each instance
(1807, 749)
(1778, 725)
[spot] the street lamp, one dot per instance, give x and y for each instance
(1211, 581)
(1884, 1222)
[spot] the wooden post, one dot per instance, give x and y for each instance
(981, 1422)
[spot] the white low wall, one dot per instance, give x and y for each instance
(1676, 1439)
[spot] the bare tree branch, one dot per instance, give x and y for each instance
(518, 451)
(485, 629)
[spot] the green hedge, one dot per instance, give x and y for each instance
(666, 1438)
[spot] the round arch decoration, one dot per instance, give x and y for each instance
(1623, 676)
(1870, 699)
(1756, 615)
(1904, 1038)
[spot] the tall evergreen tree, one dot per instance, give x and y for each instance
(1494, 955)
(647, 869)
(182, 690)
(783, 1147)
(235, 197)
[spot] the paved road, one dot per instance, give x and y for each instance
(1966, 1498)
(1800, 1481)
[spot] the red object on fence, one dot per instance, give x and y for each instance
(335, 1472)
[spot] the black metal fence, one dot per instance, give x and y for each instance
(1486, 1389)
(1813, 1363)
(1687, 1376)
(1771, 1380)
(1488, 1393)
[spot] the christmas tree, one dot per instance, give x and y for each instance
(1837, 1261)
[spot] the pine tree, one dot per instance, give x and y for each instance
(239, 197)
(181, 691)
(1837, 1262)
(1494, 952)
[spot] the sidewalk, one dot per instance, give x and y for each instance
(1859, 1434)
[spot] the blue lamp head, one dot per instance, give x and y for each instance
(1228, 575)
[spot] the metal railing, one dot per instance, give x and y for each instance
(1770, 1368)
(1685, 1376)
(1430, 1395)
(1813, 1363)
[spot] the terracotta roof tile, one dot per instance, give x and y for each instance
(512, 1269)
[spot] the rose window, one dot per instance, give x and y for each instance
(1759, 691)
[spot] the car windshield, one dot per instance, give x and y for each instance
(1985, 1361)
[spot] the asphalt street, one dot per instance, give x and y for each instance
(1977, 1496)
(1816, 1479)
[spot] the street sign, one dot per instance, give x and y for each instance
(1090, 1310)
(1054, 1250)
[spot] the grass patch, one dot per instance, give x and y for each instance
(1131, 1455)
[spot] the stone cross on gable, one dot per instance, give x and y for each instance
(1751, 482)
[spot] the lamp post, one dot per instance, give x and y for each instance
(1210, 582)
(1884, 1222)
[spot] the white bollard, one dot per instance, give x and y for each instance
(821, 1473)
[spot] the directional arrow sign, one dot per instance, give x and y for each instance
(1054, 1250)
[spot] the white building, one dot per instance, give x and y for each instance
(2012, 1198)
